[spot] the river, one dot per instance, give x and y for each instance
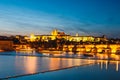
(13, 65)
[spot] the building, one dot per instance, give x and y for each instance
(55, 34)
(6, 45)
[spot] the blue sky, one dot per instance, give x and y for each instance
(86, 17)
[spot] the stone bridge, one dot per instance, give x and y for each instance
(99, 48)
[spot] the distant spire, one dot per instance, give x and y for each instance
(77, 34)
(54, 32)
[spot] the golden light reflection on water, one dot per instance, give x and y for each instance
(57, 63)
(54, 63)
(104, 63)
(29, 64)
(19, 65)
(38, 64)
(117, 66)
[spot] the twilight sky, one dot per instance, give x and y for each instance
(86, 17)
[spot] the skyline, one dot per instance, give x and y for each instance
(95, 17)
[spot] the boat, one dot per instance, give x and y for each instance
(88, 55)
(24, 49)
(51, 52)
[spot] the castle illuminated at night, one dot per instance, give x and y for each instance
(62, 35)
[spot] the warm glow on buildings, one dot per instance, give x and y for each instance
(32, 37)
(56, 34)
(89, 47)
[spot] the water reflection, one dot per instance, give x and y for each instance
(19, 65)
(58, 63)
(30, 64)
(54, 63)
(103, 70)
(106, 64)
(117, 65)
(25, 64)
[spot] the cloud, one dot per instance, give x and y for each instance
(24, 21)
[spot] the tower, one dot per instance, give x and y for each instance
(77, 34)
(32, 37)
(54, 32)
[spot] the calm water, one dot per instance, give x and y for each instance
(100, 71)
(20, 65)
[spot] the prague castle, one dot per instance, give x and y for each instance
(55, 34)
(77, 43)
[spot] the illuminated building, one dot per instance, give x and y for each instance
(75, 43)
(6, 45)
(55, 34)
(32, 37)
